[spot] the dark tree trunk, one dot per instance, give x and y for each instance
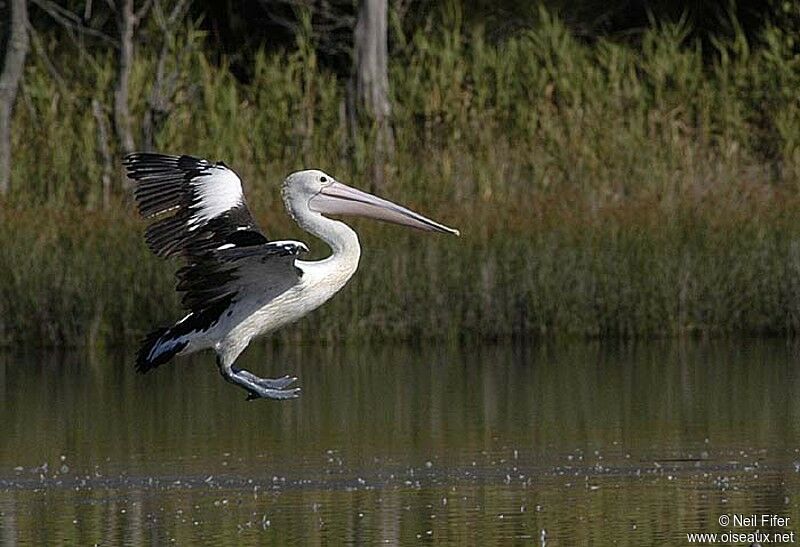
(105, 152)
(371, 73)
(13, 65)
(371, 59)
(122, 117)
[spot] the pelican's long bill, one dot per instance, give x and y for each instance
(340, 199)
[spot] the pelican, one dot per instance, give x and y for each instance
(237, 284)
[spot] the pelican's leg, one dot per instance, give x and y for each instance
(258, 388)
(270, 383)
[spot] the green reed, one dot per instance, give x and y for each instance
(622, 274)
(604, 189)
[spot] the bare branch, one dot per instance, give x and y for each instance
(332, 21)
(164, 86)
(178, 11)
(167, 23)
(139, 15)
(71, 22)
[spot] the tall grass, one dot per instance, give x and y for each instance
(603, 189)
(623, 272)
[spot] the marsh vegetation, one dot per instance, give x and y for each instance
(606, 187)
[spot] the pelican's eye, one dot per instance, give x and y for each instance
(323, 179)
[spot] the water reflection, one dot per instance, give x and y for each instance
(575, 443)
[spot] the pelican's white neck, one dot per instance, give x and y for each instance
(342, 240)
(339, 236)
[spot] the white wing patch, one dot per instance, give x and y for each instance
(194, 205)
(218, 190)
(290, 245)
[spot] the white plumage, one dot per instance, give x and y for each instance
(218, 190)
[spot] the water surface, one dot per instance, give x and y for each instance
(564, 444)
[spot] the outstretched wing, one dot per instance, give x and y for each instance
(195, 205)
(198, 211)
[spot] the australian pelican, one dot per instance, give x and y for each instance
(237, 284)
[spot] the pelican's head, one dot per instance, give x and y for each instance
(318, 192)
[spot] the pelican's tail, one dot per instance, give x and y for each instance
(158, 347)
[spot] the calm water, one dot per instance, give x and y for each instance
(570, 444)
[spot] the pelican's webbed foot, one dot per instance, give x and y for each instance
(268, 383)
(261, 388)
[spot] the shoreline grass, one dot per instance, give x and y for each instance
(603, 189)
(626, 273)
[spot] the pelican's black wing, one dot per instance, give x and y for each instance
(195, 205)
(197, 211)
